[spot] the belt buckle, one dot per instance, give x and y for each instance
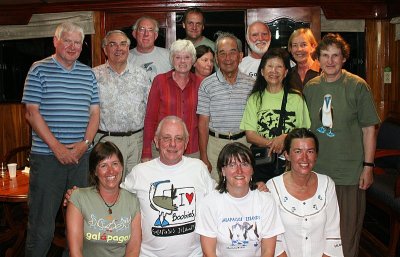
(230, 135)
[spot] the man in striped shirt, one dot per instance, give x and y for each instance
(62, 107)
(221, 102)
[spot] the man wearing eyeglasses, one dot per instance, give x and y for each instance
(154, 59)
(170, 189)
(123, 98)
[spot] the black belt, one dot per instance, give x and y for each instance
(118, 134)
(229, 136)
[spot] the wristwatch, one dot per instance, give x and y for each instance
(369, 164)
(88, 143)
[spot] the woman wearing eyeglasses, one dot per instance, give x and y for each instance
(236, 219)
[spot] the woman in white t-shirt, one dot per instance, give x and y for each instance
(236, 220)
(307, 202)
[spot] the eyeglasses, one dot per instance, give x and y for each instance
(235, 165)
(177, 139)
(142, 30)
(115, 44)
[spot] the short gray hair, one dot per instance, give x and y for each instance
(104, 42)
(154, 21)
(68, 27)
(182, 45)
(175, 119)
(222, 35)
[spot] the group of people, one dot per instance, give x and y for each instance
(162, 138)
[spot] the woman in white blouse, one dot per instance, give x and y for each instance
(307, 202)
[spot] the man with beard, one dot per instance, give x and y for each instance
(258, 38)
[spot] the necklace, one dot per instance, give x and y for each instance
(109, 205)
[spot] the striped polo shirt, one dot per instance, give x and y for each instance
(64, 98)
(224, 103)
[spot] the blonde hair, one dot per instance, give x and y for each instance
(308, 35)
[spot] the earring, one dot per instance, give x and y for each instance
(224, 180)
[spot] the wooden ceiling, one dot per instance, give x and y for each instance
(13, 12)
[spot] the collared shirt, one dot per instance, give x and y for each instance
(123, 97)
(295, 80)
(167, 98)
(224, 103)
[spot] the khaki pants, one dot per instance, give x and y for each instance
(214, 147)
(130, 147)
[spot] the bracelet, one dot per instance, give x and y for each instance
(369, 164)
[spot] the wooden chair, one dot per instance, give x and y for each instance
(384, 194)
(19, 155)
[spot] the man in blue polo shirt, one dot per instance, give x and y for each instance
(62, 107)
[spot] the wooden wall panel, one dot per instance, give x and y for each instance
(383, 51)
(98, 56)
(14, 129)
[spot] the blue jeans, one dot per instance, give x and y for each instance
(48, 181)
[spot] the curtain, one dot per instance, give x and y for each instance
(44, 25)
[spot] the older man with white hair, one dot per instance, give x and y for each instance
(169, 189)
(258, 38)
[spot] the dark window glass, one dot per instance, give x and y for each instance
(226, 21)
(17, 56)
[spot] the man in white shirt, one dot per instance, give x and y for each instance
(154, 59)
(169, 189)
(258, 38)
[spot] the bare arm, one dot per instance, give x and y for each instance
(79, 148)
(254, 138)
(133, 246)
(275, 144)
(369, 141)
(203, 139)
(268, 246)
(209, 246)
(38, 124)
(74, 230)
